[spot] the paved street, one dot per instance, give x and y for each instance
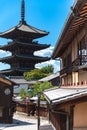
(23, 122)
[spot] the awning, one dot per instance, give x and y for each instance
(62, 95)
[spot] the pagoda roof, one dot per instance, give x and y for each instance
(14, 71)
(28, 58)
(34, 45)
(23, 30)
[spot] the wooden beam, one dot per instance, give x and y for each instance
(5, 81)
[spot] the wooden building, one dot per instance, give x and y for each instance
(7, 105)
(68, 104)
(71, 47)
(67, 108)
(22, 46)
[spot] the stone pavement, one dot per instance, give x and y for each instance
(46, 127)
(24, 122)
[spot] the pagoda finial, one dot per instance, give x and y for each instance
(23, 11)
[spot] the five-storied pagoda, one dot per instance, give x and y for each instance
(22, 47)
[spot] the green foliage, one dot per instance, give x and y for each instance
(47, 69)
(40, 87)
(30, 92)
(34, 74)
(23, 93)
(38, 73)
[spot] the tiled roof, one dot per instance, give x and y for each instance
(22, 81)
(28, 28)
(23, 30)
(60, 95)
(50, 77)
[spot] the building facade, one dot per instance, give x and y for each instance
(7, 105)
(71, 47)
(67, 108)
(68, 104)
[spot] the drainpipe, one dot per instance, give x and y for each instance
(65, 114)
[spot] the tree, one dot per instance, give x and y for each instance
(47, 69)
(23, 93)
(40, 87)
(38, 73)
(34, 74)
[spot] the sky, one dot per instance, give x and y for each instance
(48, 15)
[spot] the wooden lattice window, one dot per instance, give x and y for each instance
(82, 51)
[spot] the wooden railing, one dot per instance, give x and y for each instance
(63, 71)
(80, 61)
(77, 84)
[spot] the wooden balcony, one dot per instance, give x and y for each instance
(66, 70)
(79, 63)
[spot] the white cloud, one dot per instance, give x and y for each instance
(56, 65)
(47, 53)
(1, 51)
(4, 66)
(4, 53)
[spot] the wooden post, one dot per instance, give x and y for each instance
(38, 123)
(71, 117)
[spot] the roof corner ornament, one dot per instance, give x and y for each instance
(23, 11)
(75, 12)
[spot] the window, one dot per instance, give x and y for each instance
(82, 47)
(82, 52)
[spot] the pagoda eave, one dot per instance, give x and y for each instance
(15, 72)
(34, 59)
(22, 30)
(23, 57)
(17, 34)
(11, 45)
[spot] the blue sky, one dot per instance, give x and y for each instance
(48, 15)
